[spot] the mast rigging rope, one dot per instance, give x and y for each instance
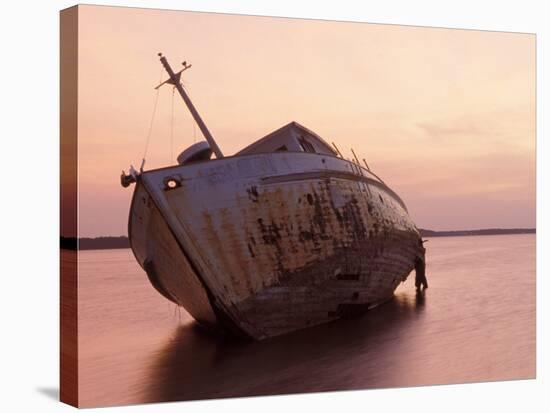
(147, 140)
(172, 128)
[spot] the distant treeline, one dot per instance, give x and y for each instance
(100, 243)
(103, 243)
(426, 233)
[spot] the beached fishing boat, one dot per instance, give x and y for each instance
(283, 235)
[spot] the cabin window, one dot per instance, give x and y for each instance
(281, 149)
(306, 146)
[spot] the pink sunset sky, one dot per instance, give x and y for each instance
(445, 117)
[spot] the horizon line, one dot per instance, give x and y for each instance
(420, 229)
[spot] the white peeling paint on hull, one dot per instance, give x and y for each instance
(158, 252)
(274, 242)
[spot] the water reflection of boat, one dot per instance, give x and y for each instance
(283, 235)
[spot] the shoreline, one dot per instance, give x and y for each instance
(122, 242)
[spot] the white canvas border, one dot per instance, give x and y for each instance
(30, 140)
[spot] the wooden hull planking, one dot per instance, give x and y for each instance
(271, 243)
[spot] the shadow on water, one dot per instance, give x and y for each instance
(347, 354)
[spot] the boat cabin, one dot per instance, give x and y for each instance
(292, 137)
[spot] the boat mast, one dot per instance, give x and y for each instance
(175, 80)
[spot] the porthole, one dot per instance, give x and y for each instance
(171, 183)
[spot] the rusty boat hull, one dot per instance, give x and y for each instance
(264, 244)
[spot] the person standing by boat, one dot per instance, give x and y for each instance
(420, 268)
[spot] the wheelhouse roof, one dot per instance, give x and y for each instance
(288, 127)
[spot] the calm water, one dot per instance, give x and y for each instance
(476, 322)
